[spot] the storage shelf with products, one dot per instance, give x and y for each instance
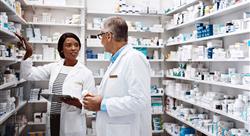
(212, 60)
(122, 14)
(182, 7)
(141, 46)
(200, 104)
(13, 16)
(170, 133)
(157, 131)
(133, 31)
(55, 24)
(6, 33)
(243, 87)
(55, 6)
(11, 84)
(189, 124)
(41, 42)
(211, 37)
(4, 117)
(218, 13)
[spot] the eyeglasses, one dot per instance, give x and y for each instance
(101, 34)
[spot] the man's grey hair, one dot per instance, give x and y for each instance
(118, 26)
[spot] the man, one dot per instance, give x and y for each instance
(123, 103)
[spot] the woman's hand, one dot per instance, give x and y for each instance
(72, 101)
(26, 46)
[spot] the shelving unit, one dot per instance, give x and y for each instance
(219, 13)
(6, 116)
(243, 87)
(207, 107)
(228, 39)
(211, 37)
(55, 24)
(190, 124)
(177, 9)
(130, 31)
(11, 84)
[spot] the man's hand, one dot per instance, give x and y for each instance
(72, 101)
(92, 102)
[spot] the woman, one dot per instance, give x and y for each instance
(67, 76)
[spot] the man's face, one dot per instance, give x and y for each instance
(106, 38)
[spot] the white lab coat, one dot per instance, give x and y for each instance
(126, 88)
(73, 122)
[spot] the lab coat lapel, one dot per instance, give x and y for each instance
(111, 68)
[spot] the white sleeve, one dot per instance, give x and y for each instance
(89, 84)
(137, 77)
(28, 72)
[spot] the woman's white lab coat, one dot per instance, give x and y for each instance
(126, 88)
(73, 122)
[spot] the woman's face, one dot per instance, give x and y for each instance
(71, 49)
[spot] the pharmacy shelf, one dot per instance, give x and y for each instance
(11, 84)
(243, 87)
(139, 46)
(212, 60)
(211, 37)
(4, 117)
(182, 7)
(215, 14)
(17, 18)
(189, 124)
(4, 33)
(204, 106)
(37, 101)
(7, 60)
(170, 133)
(56, 6)
(55, 24)
(161, 113)
(157, 131)
(93, 13)
(41, 42)
(132, 31)
(11, 12)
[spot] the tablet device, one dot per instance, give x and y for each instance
(55, 97)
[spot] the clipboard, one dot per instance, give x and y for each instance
(56, 97)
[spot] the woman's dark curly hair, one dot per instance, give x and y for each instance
(62, 39)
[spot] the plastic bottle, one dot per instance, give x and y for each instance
(239, 106)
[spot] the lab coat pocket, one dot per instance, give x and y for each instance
(73, 123)
(118, 130)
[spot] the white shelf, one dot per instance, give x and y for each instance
(158, 113)
(157, 131)
(243, 87)
(222, 12)
(41, 42)
(11, 12)
(37, 101)
(56, 6)
(170, 133)
(133, 31)
(122, 14)
(211, 37)
(157, 76)
(4, 117)
(7, 59)
(11, 84)
(6, 33)
(55, 24)
(190, 124)
(141, 46)
(182, 7)
(213, 60)
(199, 104)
